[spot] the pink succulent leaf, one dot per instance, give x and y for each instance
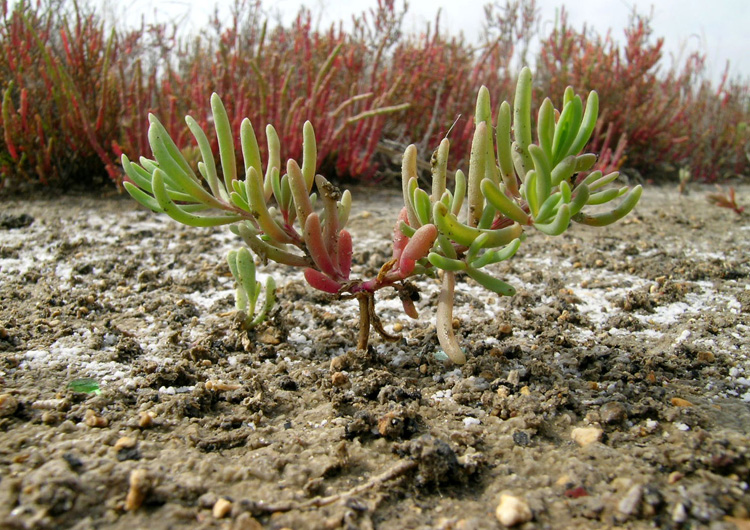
(399, 238)
(321, 282)
(418, 246)
(316, 247)
(405, 267)
(345, 253)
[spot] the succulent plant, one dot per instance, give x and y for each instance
(512, 185)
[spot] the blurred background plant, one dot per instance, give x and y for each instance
(77, 88)
(725, 199)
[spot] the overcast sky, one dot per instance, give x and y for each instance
(718, 28)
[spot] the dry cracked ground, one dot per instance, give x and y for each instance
(613, 391)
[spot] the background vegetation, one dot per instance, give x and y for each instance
(77, 89)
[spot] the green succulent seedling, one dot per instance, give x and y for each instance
(248, 291)
(298, 218)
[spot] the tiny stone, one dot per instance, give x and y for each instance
(584, 436)
(504, 329)
(674, 477)
(630, 503)
(139, 486)
(8, 405)
(339, 379)
(514, 377)
(145, 420)
(126, 442)
(338, 363)
(92, 419)
(50, 404)
(269, 338)
(512, 511)
(391, 425)
(503, 391)
(612, 412)
(222, 508)
(50, 417)
(398, 327)
(706, 357)
(679, 514)
(221, 386)
(679, 402)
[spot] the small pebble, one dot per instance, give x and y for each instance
(612, 412)
(576, 493)
(679, 402)
(512, 511)
(139, 486)
(631, 502)
(50, 417)
(391, 425)
(675, 477)
(222, 508)
(339, 379)
(50, 404)
(706, 357)
(679, 514)
(520, 438)
(584, 436)
(338, 363)
(8, 405)
(126, 442)
(398, 327)
(145, 420)
(504, 328)
(92, 419)
(269, 338)
(221, 386)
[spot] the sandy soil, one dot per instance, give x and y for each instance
(612, 391)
